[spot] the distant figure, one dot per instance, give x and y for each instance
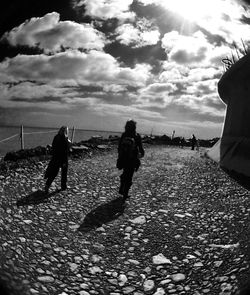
(130, 149)
(60, 151)
(193, 142)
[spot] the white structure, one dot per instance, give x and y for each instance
(214, 152)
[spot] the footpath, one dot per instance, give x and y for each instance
(184, 230)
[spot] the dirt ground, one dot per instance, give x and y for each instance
(184, 230)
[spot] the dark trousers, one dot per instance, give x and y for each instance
(54, 172)
(126, 180)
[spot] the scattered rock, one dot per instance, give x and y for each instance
(178, 277)
(122, 279)
(161, 259)
(189, 213)
(148, 285)
(160, 291)
(46, 279)
(139, 220)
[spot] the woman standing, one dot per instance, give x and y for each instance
(60, 152)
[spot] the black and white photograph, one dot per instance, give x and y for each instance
(125, 147)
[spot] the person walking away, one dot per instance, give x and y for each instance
(193, 142)
(60, 152)
(130, 150)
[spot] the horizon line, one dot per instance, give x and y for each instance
(143, 133)
(70, 128)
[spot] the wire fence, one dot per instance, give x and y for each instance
(21, 136)
(8, 138)
(39, 132)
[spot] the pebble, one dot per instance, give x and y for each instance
(39, 270)
(34, 291)
(148, 285)
(128, 290)
(178, 277)
(27, 221)
(84, 286)
(128, 229)
(46, 279)
(95, 269)
(164, 282)
(160, 291)
(133, 261)
(161, 259)
(139, 220)
(198, 264)
(73, 266)
(122, 278)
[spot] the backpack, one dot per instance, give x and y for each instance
(128, 148)
(128, 151)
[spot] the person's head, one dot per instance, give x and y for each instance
(63, 131)
(130, 126)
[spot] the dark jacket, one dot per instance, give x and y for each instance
(60, 149)
(60, 152)
(135, 162)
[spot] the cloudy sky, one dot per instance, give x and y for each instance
(93, 64)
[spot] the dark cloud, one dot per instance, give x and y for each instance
(39, 99)
(6, 50)
(213, 38)
(184, 57)
(152, 55)
(12, 84)
(14, 12)
(107, 27)
(89, 88)
(245, 19)
(108, 97)
(247, 2)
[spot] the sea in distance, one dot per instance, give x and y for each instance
(40, 136)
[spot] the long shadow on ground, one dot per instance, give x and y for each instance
(102, 214)
(35, 198)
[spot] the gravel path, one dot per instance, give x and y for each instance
(185, 229)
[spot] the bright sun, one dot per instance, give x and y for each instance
(195, 10)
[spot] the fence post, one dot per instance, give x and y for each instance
(173, 135)
(22, 138)
(72, 134)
